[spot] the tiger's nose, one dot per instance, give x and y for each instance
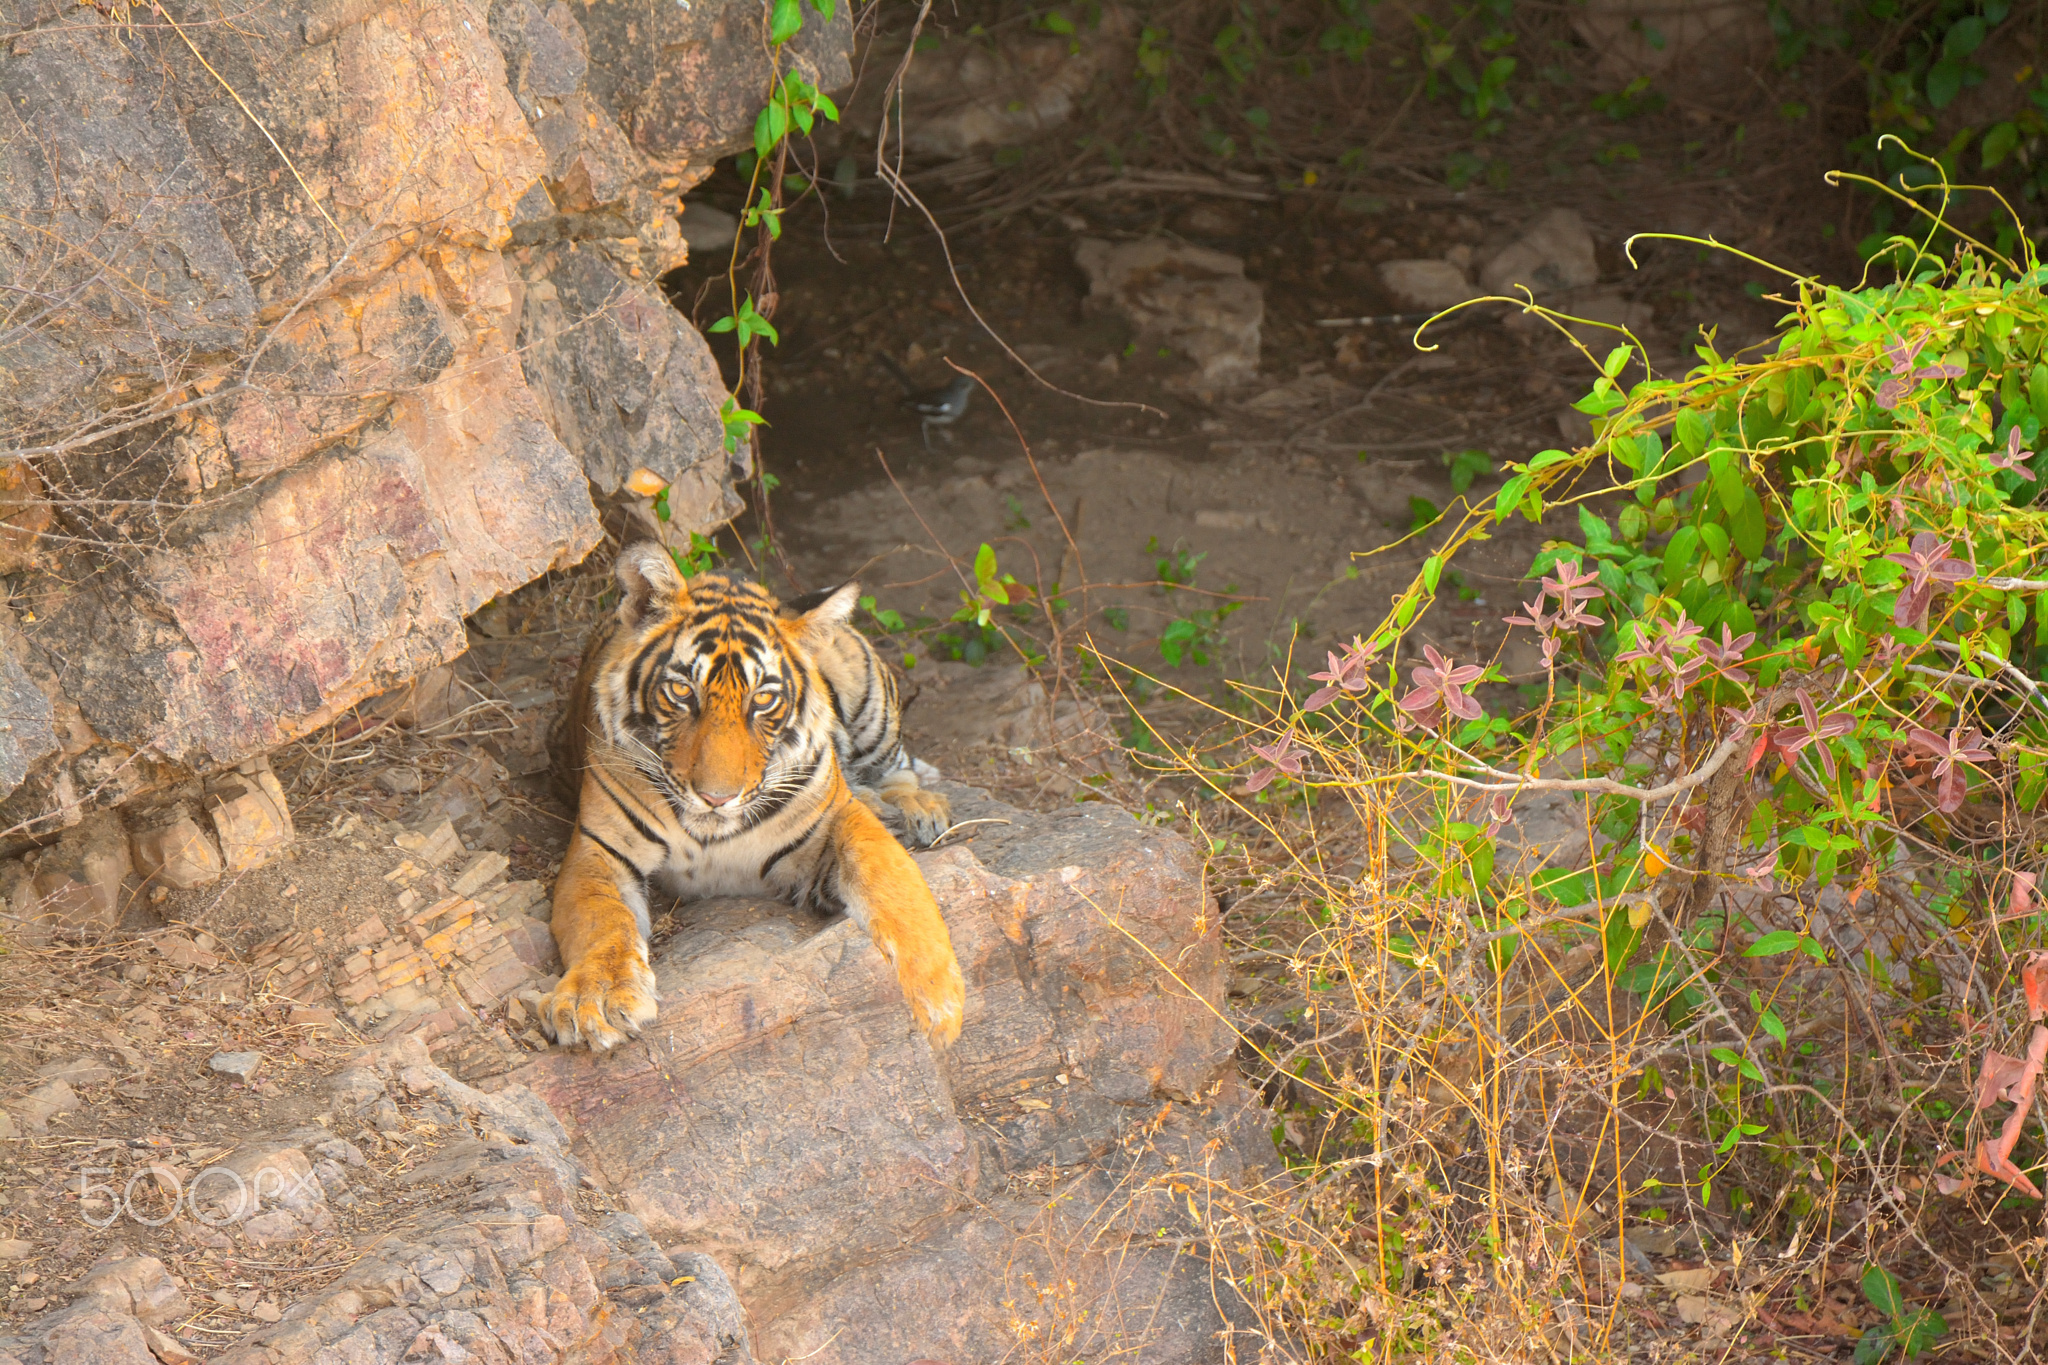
(716, 798)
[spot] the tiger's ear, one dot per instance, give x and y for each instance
(812, 616)
(648, 580)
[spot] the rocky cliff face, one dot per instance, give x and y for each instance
(323, 329)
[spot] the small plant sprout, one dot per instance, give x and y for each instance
(1284, 755)
(1927, 564)
(1439, 688)
(2013, 457)
(1345, 675)
(1963, 745)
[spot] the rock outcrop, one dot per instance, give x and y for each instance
(500, 1261)
(780, 1168)
(342, 315)
(784, 1117)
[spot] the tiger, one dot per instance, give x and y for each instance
(720, 742)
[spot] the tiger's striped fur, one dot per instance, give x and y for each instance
(711, 735)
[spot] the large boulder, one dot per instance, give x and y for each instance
(783, 1116)
(340, 317)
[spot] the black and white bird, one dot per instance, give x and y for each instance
(940, 407)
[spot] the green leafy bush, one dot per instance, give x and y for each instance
(1794, 642)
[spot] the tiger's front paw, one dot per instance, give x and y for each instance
(926, 815)
(930, 977)
(605, 998)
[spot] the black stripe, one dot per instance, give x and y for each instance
(639, 825)
(636, 678)
(792, 845)
(810, 601)
(838, 713)
(628, 863)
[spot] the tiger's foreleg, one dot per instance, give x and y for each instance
(886, 895)
(607, 988)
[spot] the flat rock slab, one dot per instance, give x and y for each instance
(783, 1116)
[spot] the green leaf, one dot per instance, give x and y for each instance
(1617, 360)
(1727, 476)
(1600, 401)
(724, 324)
(1771, 944)
(1678, 555)
(985, 564)
(1693, 427)
(1594, 528)
(1963, 37)
(1772, 1025)
(1431, 569)
(1619, 939)
(1566, 888)
(1883, 1291)
(1468, 465)
(1739, 1062)
(1748, 526)
(1510, 496)
(1921, 1330)
(1944, 82)
(1422, 514)
(1999, 141)
(784, 20)
(1872, 1346)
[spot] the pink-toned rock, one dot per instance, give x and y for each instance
(80, 886)
(357, 448)
(783, 1115)
(136, 1285)
(249, 814)
(179, 855)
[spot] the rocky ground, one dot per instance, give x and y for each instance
(275, 1093)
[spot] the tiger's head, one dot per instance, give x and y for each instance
(712, 694)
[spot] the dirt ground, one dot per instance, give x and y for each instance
(1283, 508)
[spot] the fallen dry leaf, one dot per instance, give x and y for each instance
(1689, 1281)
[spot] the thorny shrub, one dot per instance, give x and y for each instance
(1790, 696)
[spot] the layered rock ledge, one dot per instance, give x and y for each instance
(348, 323)
(780, 1167)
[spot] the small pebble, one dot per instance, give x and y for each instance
(399, 781)
(240, 1065)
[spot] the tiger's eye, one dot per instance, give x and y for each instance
(676, 691)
